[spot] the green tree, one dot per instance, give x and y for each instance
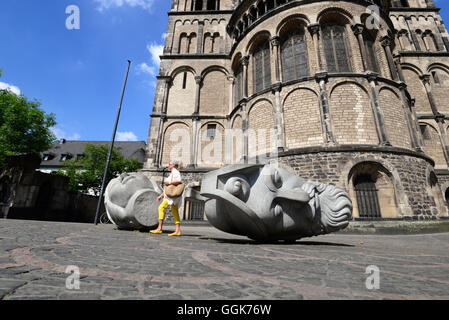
(86, 173)
(24, 126)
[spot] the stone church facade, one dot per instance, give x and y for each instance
(352, 93)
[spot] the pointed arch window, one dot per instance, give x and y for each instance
(294, 56)
(335, 48)
(262, 67)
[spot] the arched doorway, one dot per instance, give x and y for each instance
(373, 192)
(438, 195)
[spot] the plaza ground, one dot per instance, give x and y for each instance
(206, 263)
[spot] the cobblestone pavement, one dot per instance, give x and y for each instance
(208, 264)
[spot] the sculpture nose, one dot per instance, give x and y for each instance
(298, 195)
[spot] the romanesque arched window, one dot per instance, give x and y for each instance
(262, 67)
(294, 56)
(335, 48)
(371, 56)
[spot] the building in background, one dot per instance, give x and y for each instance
(341, 94)
(52, 159)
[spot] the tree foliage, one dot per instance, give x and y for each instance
(24, 126)
(86, 173)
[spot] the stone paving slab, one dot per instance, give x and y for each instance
(208, 264)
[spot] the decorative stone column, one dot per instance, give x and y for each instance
(321, 78)
(198, 81)
(415, 119)
(443, 136)
(275, 57)
(167, 82)
(245, 62)
(397, 62)
(378, 116)
(245, 130)
(231, 80)
(386, 44)
(314, 30)
(358, 32)
(410, 123)
(194, 141)
(199, 47)
(426, 81)
(279, 118)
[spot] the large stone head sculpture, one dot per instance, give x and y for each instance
(130, 201)
(267, 202)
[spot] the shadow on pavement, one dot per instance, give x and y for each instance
(283, 243)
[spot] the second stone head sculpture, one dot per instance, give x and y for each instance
(268, 202)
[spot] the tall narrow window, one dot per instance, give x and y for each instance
(294, 56)
(371, 53)
(211, 131)
(184, 80)
(239, 84)
(335, 48)
(262, 67)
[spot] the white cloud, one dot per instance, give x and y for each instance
(10, 88)
(155, 50)
(61, 134)
(152, 69)
(145, 68)
(106, 4)
(126, 136)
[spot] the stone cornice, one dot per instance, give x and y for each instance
(356, 148)
(202, 13)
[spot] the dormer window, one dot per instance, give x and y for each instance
(65, 157)
(48, 157)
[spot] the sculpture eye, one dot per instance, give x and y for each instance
(277, 179)
(238, 187)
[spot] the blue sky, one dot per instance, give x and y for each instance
(78, 74)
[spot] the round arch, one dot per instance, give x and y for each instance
(403, 207)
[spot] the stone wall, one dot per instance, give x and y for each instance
(34, 195)
(409, 174)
